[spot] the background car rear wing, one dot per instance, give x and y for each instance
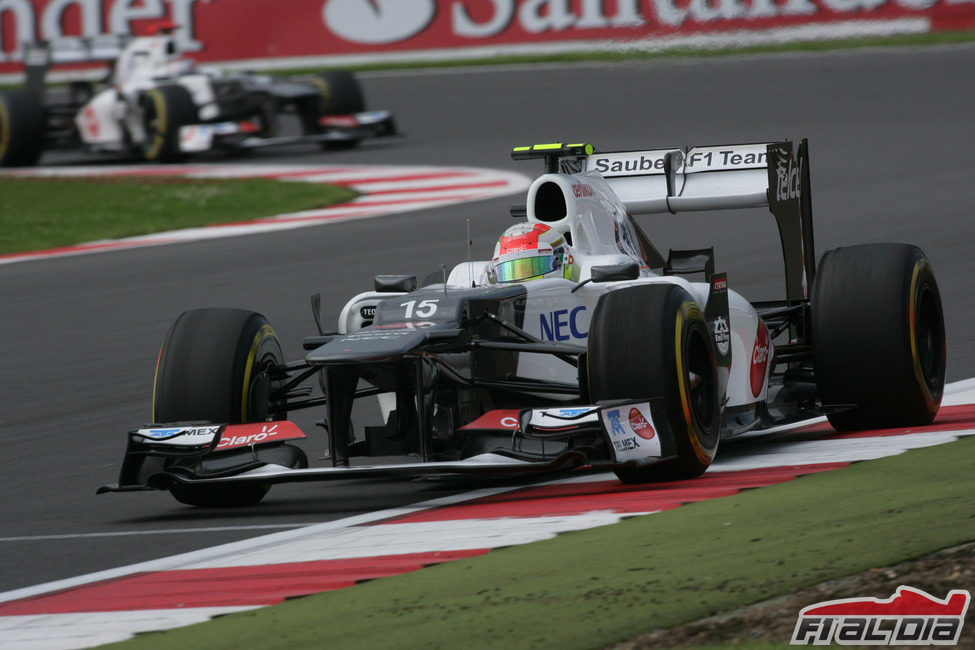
(659, 181)
(40, 56)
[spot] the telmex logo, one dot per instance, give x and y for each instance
(378, 21)
(909, 617)
(162, 434)
(722, 335)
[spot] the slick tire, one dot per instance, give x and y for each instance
(21, 128)
(165, 109)
(213, 367)
(651, 341)
(878, 337)
(340, 94)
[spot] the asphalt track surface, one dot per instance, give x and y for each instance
(891, 140)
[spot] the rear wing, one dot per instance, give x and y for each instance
(40, 56)
(660, 181)
(675, 180)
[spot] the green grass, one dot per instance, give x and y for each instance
(41, 213)
(594, 587)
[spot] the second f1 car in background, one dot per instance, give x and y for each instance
(160, 107)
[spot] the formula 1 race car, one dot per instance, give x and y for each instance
(578, 346)
(159, 106)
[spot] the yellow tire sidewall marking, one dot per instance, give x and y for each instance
(159, 138)
(687, 311)
(325, 91)
(266, 332)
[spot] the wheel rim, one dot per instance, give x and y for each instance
(153, 125)
(256, 391)
(258, 403)
(928, 338)
(701, 382)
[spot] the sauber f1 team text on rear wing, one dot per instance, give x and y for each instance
(724, 177)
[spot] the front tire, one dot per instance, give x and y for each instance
(878, 337)
(165, 110)
(650, 341)
(213, 367)
(339, 94)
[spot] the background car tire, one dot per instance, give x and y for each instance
(652, 341)
(878, 336)
(212, 368)
(165, 109)
(340, 94)
(21, 128)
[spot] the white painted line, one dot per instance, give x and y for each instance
(816, 452)
(267, 542)
(86, 630)
(959, 393)
(423, 537)
(157, 531)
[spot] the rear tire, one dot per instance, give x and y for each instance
(21, 128)
(878, 336)
(165, 109)
(652, 341)
(213, 368)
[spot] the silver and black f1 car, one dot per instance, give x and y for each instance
(159, 106)
(578, 346)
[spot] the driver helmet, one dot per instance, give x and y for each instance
(528, 251)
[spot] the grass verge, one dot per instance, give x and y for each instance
(41, 213)
(605, 585)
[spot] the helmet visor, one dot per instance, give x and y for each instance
(524, 268)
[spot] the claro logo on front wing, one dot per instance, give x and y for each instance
(244, 435)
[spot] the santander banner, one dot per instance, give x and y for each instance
(266, 30)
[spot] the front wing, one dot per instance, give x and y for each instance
(196, 138)
(637, 434)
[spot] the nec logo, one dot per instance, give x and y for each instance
(564, 324)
